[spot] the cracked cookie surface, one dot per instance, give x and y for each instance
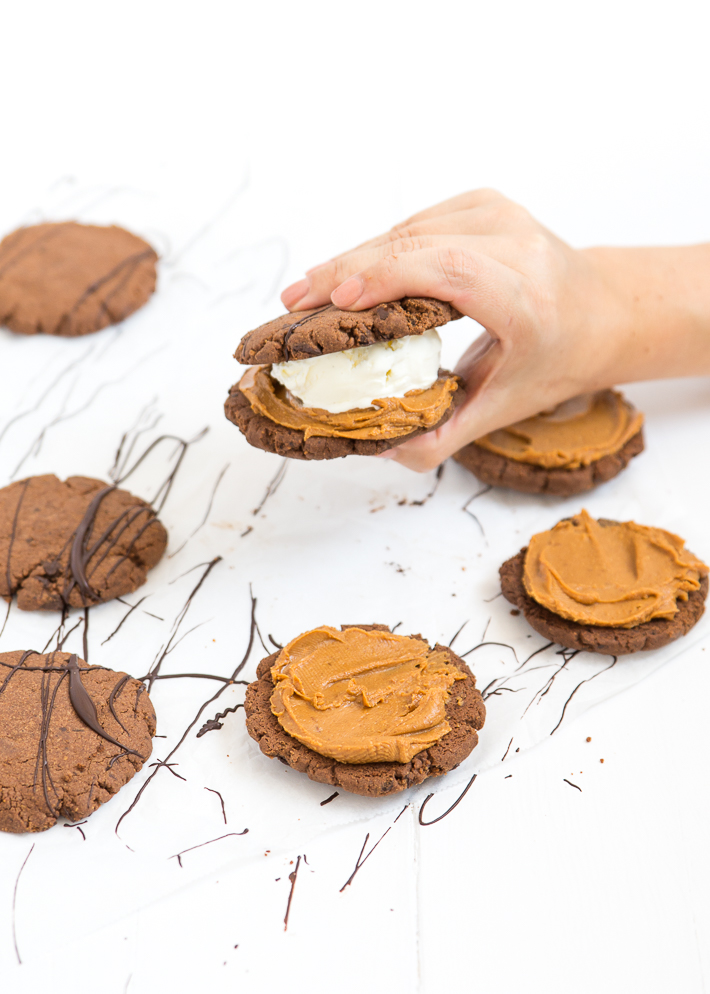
(74, 543)
(52, 764)
(71, 279)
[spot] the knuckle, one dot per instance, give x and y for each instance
(457, 266)
(402, 232)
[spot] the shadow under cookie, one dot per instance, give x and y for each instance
(370, 779)
(652, 634)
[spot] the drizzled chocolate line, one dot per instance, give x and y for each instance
(576, 787)
(164, 489)
(567, 656)
(178, 855)
(221, 801)
(264, 646)
(169, 768)
(298, 324)
(18, 666)
(360, 861)
(7, 615)
(542, 648)
(332, 797)
(466, 509)
(437, 481)
(120, 459)
(78, 557)
(206, 514)
(272, 486)
(448, 811)
(84, 706)
(595, 675)
(155, 668)
(270, 638)
(131, 261)
(112, 697)
(293, 875)
(10, 590)
(14, 904)
(206, 704)
(214, 724)
(125, 617)
(458, 633)
(508, 749)
(77, 825)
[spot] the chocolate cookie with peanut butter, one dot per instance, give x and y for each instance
(327, 383)
(365, 710)
(607, 586)
(568, 450)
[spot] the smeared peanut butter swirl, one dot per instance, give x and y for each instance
(388, 418)
(362, 696)
(576, 433)
(614, 574)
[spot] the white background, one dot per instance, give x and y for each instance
(248, 141)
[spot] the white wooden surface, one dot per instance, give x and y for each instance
(248, 144)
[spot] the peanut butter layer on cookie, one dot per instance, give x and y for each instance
(389, 417)
(608, 573)
(363, 696)
(573, 435)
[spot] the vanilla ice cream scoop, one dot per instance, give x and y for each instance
(344, 381)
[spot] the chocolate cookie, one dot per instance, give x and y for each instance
(263, 433)
(597, 638)
(71, 736)
(71, 279)
(500, 471)
(74, 544)
(305, 334)
(465, 712)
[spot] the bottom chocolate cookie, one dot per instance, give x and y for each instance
(596, 638)
(265, 434)
(500, 471)
(71, 735)
(465, 713)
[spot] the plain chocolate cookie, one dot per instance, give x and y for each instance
(305, 334)
(71, 279)
(465, 712)
(500, 471)
(597, 638)
(75, 543)
(263, 433)
(71, 735)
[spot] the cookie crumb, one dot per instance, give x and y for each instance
(515, 612)
(589, 738)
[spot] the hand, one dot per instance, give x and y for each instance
(553, 320)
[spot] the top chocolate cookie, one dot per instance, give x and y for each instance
(71, 279)
(305, 334)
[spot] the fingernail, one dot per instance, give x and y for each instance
(348, 292)
(297, 291)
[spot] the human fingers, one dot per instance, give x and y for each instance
(474, 283)
(321, 282)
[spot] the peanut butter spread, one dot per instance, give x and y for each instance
(389, 418)
(362, 696)
(576, 433)
(615, 574)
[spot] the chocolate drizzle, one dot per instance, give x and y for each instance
(14, 904)
(10, 590)
(85, 708)
(360, 862)
(293, 876)
(178, 855)
(448, 811)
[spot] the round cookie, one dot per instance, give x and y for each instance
(305, 334)
(74, 543)
(596, 638)
(500, 471)
(71, 736)
(263, 433)
(71, 279)
(370, 779)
